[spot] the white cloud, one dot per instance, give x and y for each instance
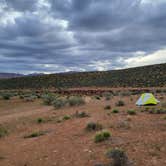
(141, 60)
(100, 65)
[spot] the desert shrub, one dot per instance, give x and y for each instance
(58, 103)
(81, 114)
(131, 112)
(48, 99)
(131, 99)
(107, 95)
(40, 120)
(125, 93)
(123, 125)
(157, 111)
(66, 117)
(6, 96)
(92, 126)
(35, 134)
(102, 136)
(21, 96)
(164, 117)
(118, 157)
(107, 107)
(97, 97)
(3, 131)
(30, 98)
(76, 101)
(115, 111)
(163, 104)
(120, 103)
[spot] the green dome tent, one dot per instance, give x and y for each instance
(147, 99)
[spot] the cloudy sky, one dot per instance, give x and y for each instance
(81, 35)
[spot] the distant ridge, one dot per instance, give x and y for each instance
(10, 75)
(145, 76)
(15, 75)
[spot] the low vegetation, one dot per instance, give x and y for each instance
(76, 101)
(35, 134)
(48, 99)
(59, 103)
(120, 103)
(157, 111)
(118, 157)
(66, 117)
(131, 112)
(3, 131)
(115, 111)
(107, 107)
(82, 114)
(102, 136)
(92, 126)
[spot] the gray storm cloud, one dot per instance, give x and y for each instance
(66, 35)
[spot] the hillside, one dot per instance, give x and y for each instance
(9, 75)
(146, 76)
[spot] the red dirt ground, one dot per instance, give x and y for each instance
(142, 136)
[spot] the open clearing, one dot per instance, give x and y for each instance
(67, 143)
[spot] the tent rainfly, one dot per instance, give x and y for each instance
(147, 99)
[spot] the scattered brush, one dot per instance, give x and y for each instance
(97, 97)
(48, 98)
(76, 101)
(115, 111)
(107, 107)
(107, 95)
(35, 134)
(81, 114)
(157, 111)
(92, 126)
(118, 156)
(102, 136)
(58, 103)
(131, 112)
(40, 120)
(3, 131)
(66, 117)
(6, 96)
(120, 103)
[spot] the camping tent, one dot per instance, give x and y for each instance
(147, 99)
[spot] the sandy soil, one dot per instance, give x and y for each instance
(142, 136)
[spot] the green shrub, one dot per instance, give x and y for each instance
(76, 101)
(59, 103)
(157, 111)
(3, 131)
(102, 136)
(107, 107)
(107, 95)
(118, 157)
(92, 126)
(6, 96)
(66, 117)
(48, 99)
(40, 120)
(35, 134)
(120, 103)
(97, 97)
(131, 112)
(115, 111)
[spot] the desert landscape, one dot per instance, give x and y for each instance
(35, 131)
(82, 82)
